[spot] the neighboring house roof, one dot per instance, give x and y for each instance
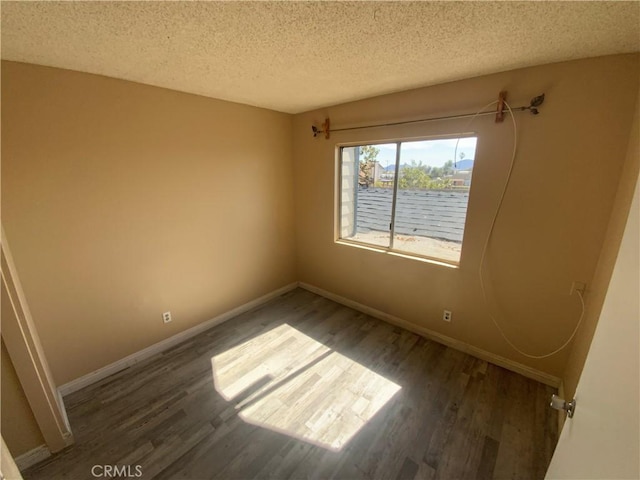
(432, 213)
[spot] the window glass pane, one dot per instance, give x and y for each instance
(433, 192)
(366, 197)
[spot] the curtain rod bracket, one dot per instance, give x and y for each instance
(502, 96)
(324, 128)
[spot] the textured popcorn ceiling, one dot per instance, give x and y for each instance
(296, 56)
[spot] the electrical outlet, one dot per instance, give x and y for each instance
(446, 316)
(577, 286)
(166, 317)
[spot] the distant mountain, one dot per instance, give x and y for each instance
(466, 164)
(392, 167)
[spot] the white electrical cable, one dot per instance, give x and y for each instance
(479, 112)
(486, 244)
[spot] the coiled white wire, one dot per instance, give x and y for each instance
(491, 228)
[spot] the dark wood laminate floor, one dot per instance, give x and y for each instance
(305, 388)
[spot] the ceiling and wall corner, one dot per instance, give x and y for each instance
(298, 56)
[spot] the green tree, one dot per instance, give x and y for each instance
(367, 162)
(441, 183)
(414, 176)
(418, 176)
(443, 171)
(447, 168)
(369, 153)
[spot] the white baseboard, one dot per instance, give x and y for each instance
(32, 457)
(134, 358)
(438, 337)
(97, 375)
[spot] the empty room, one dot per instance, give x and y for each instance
(312, 240)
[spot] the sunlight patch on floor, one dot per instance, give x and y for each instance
(288, 382)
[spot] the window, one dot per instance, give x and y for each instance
(407, 196)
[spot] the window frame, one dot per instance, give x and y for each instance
(390, 249)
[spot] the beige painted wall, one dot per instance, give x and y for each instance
(122, 201)
(607, 259)
(602, 440)
(550, 230)
(19, 427)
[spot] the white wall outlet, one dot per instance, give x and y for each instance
(446, 316)
(578, 286)
(166, 317)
